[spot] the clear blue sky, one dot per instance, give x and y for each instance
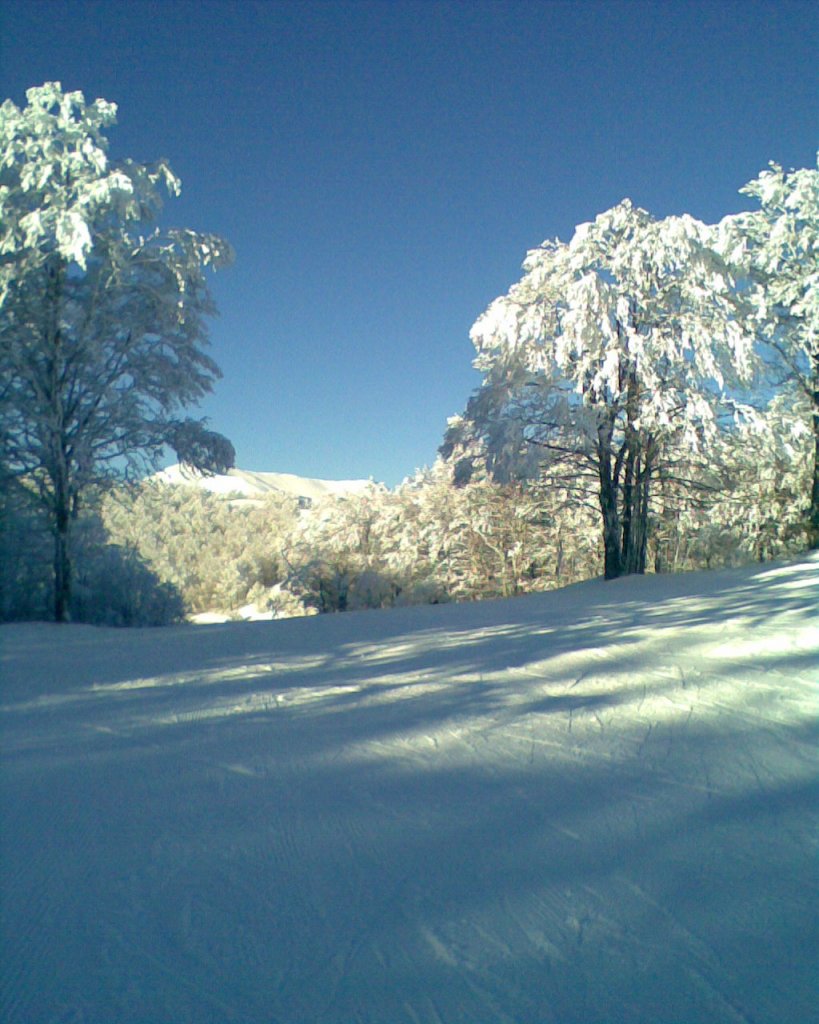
(382, 167)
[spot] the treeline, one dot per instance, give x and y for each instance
(152, 554)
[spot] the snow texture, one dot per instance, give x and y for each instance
(593, 805)
(245, 482)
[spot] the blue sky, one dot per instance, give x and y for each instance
(381, 169)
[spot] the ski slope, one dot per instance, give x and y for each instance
(593, 805)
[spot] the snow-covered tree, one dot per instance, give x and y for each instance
(112, 582)
(337, 558)
(102, 314)
(778, 246)
(765, 463)
(608, 359)
(745, 501)
(218, 554)
(447, 539)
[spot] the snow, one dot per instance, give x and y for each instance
(250, 484)
(592, 805)
(249, 613)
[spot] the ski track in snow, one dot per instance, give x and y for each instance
(597, 804)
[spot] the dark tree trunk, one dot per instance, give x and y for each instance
(58, 467)
(62, 541)
(636, 494)
(613, 564)
(645, 494)
(630, 514)
(637, 468)
(625, 483)
(62, 571)
(607, 472)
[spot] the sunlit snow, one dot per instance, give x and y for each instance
(250, 484)
(592, 805)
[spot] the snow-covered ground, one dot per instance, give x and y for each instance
(593, 805)
(251, 485)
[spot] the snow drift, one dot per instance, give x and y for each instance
(596, 804)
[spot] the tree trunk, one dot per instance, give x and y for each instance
(627, 517)
(62, 570)
(645, 494)
(62, 542)
(559, 558)
(624, 505)
(613, 559)
(636, 478)
(58, 469)
(635, 514)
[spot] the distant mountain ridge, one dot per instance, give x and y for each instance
(253, 485)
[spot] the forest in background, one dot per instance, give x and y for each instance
(153, 553)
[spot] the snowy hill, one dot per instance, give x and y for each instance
(592, 805)
(248, 484)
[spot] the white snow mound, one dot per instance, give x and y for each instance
(249, 484)
(592, 805)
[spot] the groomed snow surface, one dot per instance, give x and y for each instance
(594, 805)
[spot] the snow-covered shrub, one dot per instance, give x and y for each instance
(422, 592)
(114, 587)
(26, 551)
(281, 602)
(214, 552)
(371, 589)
